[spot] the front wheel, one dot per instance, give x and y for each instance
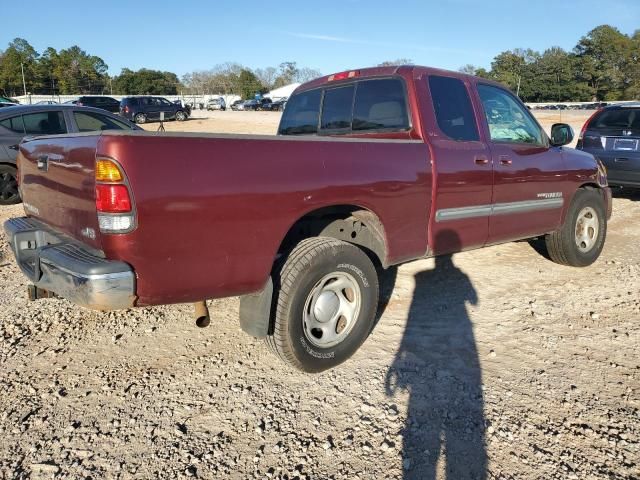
(181, 116)
(327, 297)
(580, 240)
(140, 118)
(8, 185)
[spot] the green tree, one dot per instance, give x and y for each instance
(46, 71)
(249, 84)
(607, 57)
(18, 55)
(77, 72)
(146, 82)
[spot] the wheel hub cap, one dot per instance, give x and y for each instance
(587, 228)
(326, 306)
(331, 309)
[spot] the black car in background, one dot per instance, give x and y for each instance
(32, 120)
(612, 135)
(97, 101)
(275, 106)
(145, 109)
(262, 104)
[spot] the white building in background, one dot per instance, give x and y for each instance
(282, 92)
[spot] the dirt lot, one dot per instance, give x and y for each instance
(499, 364)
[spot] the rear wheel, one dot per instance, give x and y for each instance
(8, 185)
(140, 118)
(326, 304)
(580, 240)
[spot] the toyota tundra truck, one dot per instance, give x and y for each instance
(370, 168)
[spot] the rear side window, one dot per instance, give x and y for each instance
(380, 104)
(44, 123)
(622, 118)
(90, 122)
(337, 108)
(15, 124)
(453, 109)
(301, 114)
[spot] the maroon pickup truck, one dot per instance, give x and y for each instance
(371, 168)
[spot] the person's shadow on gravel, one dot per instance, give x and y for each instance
(437, 363)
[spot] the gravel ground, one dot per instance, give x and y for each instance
(498, 364)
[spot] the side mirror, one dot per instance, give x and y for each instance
(561, 134)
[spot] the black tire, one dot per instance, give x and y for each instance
(8, 185)
(140, 118)
(181, 116)
(565, 245)
(308, 265)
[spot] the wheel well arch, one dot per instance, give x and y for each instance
(584, 186)
(350, 223)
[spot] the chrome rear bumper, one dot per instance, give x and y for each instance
(68, 268)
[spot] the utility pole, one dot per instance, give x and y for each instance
(24, 84)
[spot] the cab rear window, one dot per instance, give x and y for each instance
(365, 106)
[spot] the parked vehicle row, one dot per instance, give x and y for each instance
(263, 104)
(562, 106)
(389, 164)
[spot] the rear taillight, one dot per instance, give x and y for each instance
(113, 199)
(126, 109)
(586, 124)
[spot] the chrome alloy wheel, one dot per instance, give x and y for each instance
(331, 309)
(587, 228)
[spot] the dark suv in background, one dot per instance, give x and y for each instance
(144, 109)
(612, 135)
(96, 101)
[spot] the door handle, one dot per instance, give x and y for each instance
(481, 160)
(621, 160)
(43, 162)
(504, 160)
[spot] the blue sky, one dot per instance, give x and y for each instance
(331, 35)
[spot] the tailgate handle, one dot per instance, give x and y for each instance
(43, 163)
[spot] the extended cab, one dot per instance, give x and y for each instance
(371, 168)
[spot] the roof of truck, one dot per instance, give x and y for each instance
(384, 72)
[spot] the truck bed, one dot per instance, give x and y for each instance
(212, 210)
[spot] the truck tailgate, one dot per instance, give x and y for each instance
(57, 183)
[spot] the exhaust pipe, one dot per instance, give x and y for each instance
(201, 312)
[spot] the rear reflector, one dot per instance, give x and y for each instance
(115, 223)
(107, 171)
(344, 75)
(112, 198)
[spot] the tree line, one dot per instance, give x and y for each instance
(604, 65)
(72, 71)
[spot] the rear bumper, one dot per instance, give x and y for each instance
(623, 168)
(68, 268)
